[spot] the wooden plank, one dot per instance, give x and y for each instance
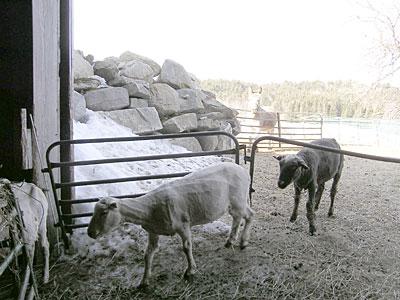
(26, 142)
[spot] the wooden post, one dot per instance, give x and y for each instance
(279, 127)
(66, 90)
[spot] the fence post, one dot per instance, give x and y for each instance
(278, 115)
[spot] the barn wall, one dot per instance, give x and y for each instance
(46, 99)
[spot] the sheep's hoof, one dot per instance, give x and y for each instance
(143, 286)
(293, 218)
(189, 277)
(228, 244)
(312, 230)
(243, 245)
(330, 213)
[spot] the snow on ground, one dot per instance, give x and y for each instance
(102, 127)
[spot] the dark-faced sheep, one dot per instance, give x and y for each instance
(309, 169)
(198, 198)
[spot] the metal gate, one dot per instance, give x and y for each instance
(299, 126)
(302, 144)
(66, 218)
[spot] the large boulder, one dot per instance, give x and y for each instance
(136, 69)
(79, 107)
(129, 56)
(112, 98)
(86, 84)
(138, 89)
(119, 81)
(165, 99)
(195, 82)
(173, 74)
(81, 67)
(138, 103)
(191, 100)
(190, 143)
(225, 142)
(206, 124)
(211, 105)
(141, 120)
(182, 123)
(217, 142)
(106, 69)
(208, 143)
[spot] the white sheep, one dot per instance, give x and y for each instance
(33, 206)
(198, 198)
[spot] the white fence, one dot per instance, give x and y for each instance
(363, 132)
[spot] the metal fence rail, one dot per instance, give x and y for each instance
(63, 206)
(299, 126)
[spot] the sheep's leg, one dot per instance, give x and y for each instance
(297, 194)
(46, 252)
(333, 193)
(236, 219)
(152, 246)
(310, 209)
(244, 240)
(318, 195)
(186, 236)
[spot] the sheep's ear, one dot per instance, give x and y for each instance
(278, 157)
(113, 205)
(303, 164)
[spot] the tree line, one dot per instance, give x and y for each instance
(330, 99)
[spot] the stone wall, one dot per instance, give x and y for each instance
(136, 92)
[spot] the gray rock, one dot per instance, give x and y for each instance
(128, 56)
(107, 99)
(235, 124)
(141, 120)
(165, 99)
(190, 100)
(139, 89)
(138, 103)
(90, 59)
(173, 74)
(225, 142)
(195, 82)
(136, 69)
(208, 143)
(215, 115)
(86, 84)
(79, 107)
(211, 105)
(112, 59)
(80, 66)
(206, 124)
(190, 143)
(120, 81)
(106, 69)
(182, 123)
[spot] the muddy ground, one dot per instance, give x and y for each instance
(354, 255)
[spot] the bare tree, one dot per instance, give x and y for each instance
(385, 16)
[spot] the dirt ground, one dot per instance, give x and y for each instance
(354, 255)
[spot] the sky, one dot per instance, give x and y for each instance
(258, 41)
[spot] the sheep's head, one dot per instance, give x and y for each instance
(291, 167)
(106, 217)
